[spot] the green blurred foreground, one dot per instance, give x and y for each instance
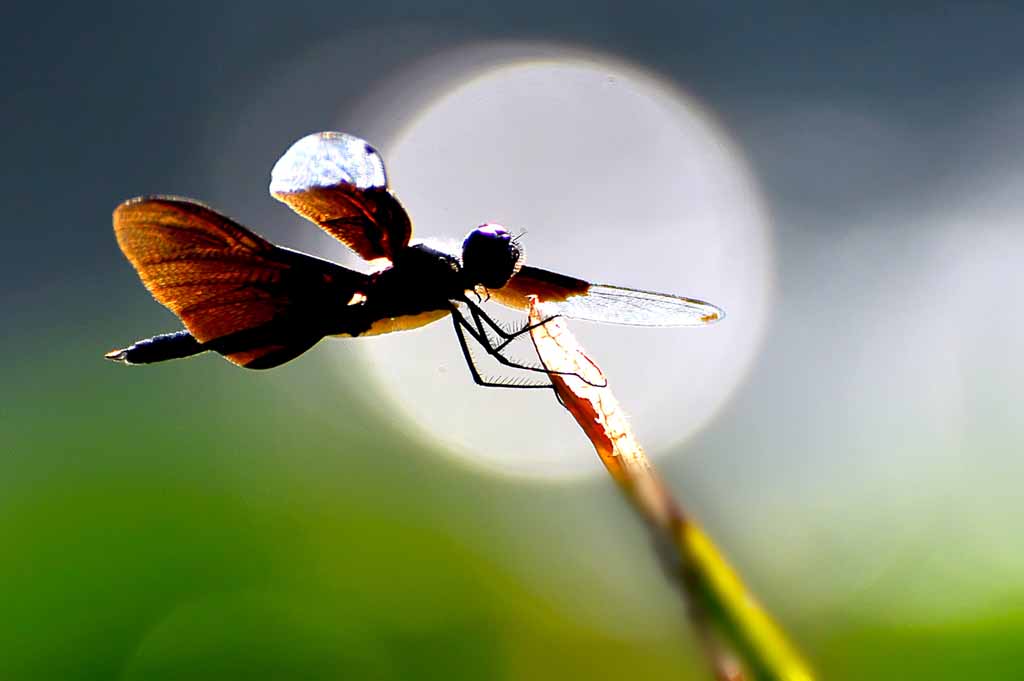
(197, 521)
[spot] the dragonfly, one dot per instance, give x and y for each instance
(261, 305)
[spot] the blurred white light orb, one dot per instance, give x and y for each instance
(615, 176)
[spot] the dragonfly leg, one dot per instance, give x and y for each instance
(461, 327)
(480, 335)
(480, 318)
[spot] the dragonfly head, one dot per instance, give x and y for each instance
(490, 256)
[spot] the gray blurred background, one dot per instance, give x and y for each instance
(195, 520)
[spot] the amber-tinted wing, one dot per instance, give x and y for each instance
(254, 302)
(579, 299)
(338, 182)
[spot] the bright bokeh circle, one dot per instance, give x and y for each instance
(614, 176)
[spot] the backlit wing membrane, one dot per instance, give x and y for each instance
(617, 305)
(603, 303)
(338, 181)
(253, 302)
(546, 285)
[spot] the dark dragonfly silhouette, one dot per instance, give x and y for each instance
(261, 305)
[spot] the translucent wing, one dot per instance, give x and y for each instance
(617, 305)
(546, 285)
(257, 304)
(338, 182)
(579, 299)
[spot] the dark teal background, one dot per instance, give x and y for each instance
(198, 521)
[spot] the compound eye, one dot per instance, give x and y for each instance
(489, 256)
